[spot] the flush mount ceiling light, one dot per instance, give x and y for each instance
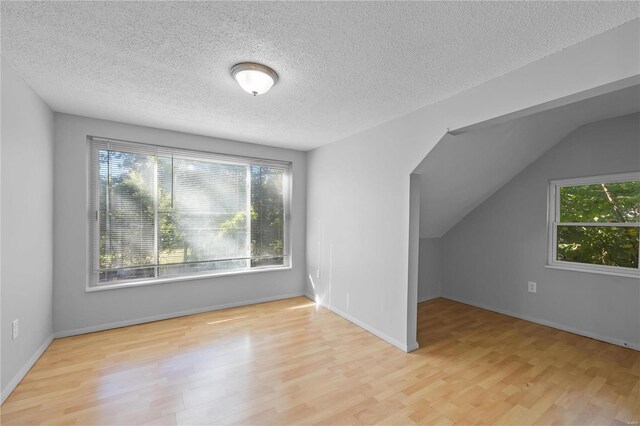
(254, 78)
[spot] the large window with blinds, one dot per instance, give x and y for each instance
(161, 213)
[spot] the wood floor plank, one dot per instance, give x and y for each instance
(293, 362)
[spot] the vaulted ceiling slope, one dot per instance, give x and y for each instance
(344, 66)
(463, 171)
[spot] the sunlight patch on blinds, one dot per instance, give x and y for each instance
(163, 212)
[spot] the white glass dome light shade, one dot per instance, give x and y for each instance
(254, 82)
(255, 79)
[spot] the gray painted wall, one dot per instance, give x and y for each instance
(491, 254)
(75, 310)
(27, 225)
(430, 269)
(358, 227)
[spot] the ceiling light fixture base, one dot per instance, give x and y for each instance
(254, 78)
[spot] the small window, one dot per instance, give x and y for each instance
(161, 213)
(594, 224)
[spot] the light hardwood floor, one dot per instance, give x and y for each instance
(292, 362)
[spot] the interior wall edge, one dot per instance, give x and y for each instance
(426, 299)
(26, 226)
(398, 344)
(623, 83)
(25, 369)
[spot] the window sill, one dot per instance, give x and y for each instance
(626, 274)
(140, 283)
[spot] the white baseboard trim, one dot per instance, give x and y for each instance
(367, 327)
(25, 369)
(426, 299)
(126, 323)
(551, 324)
(412, 347)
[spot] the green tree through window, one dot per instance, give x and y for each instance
(598, 224)
(162, 215)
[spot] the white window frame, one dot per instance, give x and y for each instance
(92, 283)
(553, 220)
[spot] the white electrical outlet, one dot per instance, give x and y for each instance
(532, 287)
(15, 332)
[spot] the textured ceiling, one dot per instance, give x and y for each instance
(343, 66)
(491, 156)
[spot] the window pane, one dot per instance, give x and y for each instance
(176, 270)
(171, 213)
(126, 212)
(267, 215)
(598, 245)
(202, 215)
(136, 273)
(607, 202)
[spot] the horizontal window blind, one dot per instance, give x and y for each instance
(160, 212)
